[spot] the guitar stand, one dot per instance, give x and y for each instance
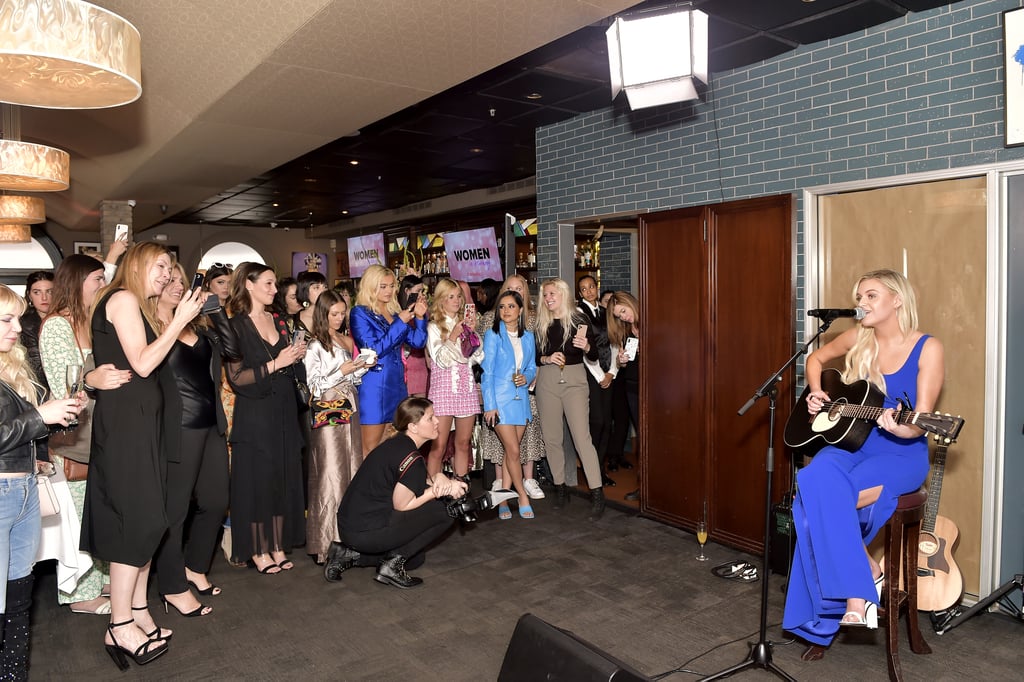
(1006, 588)
(761, 651)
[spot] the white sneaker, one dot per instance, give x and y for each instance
(497, 485)
(533, 490)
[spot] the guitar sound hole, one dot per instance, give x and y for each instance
(928, 545)
(836, 411)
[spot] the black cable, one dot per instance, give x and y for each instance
(718, 139)
(683, 669)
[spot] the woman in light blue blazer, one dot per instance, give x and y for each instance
(509, 365)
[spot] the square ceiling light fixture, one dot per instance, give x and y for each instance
(658, 56)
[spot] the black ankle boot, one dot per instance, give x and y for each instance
(392, 572)
(596, 503)
(561, 496)
(16, 628)
(339, 559)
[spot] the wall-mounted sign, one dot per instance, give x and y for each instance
(365, 251)
(473, 255)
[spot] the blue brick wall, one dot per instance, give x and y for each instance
(616, 262)
(921, 93)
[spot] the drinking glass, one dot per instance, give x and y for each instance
(515, 375)
(561, 373)
(73, 381)
(702, 537)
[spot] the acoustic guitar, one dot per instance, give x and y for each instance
(846, 419)
(939, 582)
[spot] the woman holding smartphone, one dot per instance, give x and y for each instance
(380, 325)
(563, 338)
(335, 447)
(624, 337)
(453, 348)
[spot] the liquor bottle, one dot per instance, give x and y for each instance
(531, 257)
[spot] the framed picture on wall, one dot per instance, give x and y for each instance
(87, 248)
(1013, 43)
(309, 262)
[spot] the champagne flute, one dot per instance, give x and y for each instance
(702, 537)
(515, 376)
(73, 382)
(561, 371)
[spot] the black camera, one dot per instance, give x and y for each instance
(465, 508)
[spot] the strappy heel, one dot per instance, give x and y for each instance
(142, 655)
(157, 633)
(201, 610)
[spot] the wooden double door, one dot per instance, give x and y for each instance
(718, 317)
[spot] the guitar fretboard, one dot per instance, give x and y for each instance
(935, 487)
(868, 412)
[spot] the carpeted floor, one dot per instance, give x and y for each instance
(628, 585)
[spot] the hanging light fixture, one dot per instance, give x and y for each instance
(67, 54)
(15, 234)
(29, 167)
(658, 57)
(21, 210)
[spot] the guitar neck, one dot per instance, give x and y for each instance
(935, 488)
(870, 413)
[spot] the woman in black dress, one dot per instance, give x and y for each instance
(197, 453)
(123, 517)
(266, 468)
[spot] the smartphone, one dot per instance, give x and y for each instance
(298, 336)
(120, 232)
(411, 301)
(632, 344)
(197, 281)
(581, 331)
(469, 311)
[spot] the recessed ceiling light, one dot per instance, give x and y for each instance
(475, 150)
(309, 180)
(344, 213)
(534, 95)
(354, 162)
(276, 204)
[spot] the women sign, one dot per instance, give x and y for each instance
(473, 255)
(365, 251)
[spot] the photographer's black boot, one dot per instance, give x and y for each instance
(596, 503)
(339, 559)
(392, 572)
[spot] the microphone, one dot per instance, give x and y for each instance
(834, 313)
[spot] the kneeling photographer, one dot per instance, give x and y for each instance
(391, 512)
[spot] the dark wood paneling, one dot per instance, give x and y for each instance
(718, 310)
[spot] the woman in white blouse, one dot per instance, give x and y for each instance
(453, 348)
(335, 448)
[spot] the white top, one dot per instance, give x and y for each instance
(323, 370)
(446, 354)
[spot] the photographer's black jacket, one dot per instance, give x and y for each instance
(367, 503)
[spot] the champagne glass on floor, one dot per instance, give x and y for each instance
(702, 537)
(73, 382)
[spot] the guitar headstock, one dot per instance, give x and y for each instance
(945, 426)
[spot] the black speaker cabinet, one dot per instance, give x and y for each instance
(783, 538)
(540, 651)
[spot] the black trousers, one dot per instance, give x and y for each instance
(407, 534)
(202, 473)
(600, 417)
(625, 408)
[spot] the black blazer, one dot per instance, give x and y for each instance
(599, 323)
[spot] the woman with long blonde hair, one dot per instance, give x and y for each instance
(563, 338)
(845, 498)
(380, 325)
(124, 517)
(23, 421)
(450, 336)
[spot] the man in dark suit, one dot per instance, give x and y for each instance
(599, 374)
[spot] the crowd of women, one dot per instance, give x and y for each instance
(170, 408)
(250, 402)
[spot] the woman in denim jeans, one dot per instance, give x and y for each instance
(21, 424)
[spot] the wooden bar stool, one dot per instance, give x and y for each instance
(902, 533)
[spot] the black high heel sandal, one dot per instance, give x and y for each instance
(201, 610)
(157, 633)
(142, 655)
(211, 591)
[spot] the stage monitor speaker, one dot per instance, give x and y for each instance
(540, 651)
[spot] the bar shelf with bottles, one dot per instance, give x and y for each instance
(424, 253)
(587, 258)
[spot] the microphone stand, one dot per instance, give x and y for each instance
(761, 651)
